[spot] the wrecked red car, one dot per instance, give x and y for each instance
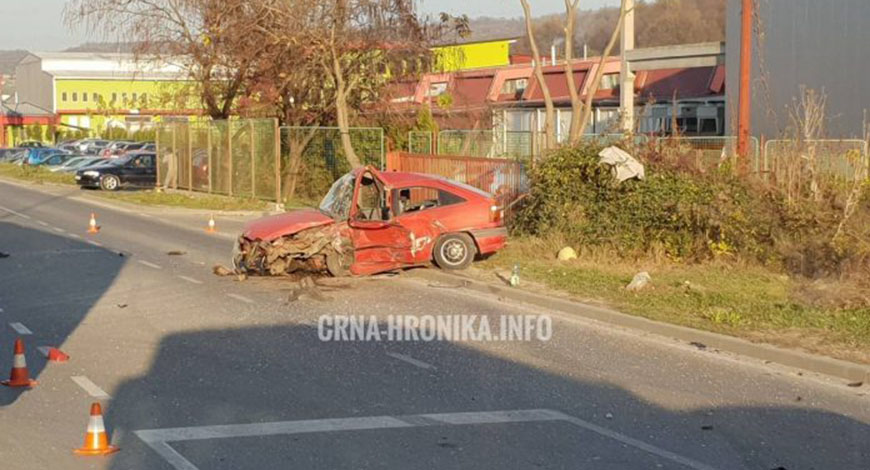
(372, 222)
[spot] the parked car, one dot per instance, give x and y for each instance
(136, 169)
(69, 146)
(32, 144)
(372, 222)
(90, 146)
(7, 155)
(115, 148)
(138, 147)
(55, 160)
(78, 161)
(36, 155)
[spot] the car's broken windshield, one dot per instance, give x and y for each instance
(336, 203)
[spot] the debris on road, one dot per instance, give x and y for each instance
(567, 254)
(640, 281)
(624, 166)
(4, 255)
(855, 384)
(449, 286)
(698, 345)
(609, 416)
(307, 287)
(515, 276)
(707, 427)
(220, 270)
(121, 305)
(176, 253)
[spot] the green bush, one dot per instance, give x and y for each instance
(687, 215)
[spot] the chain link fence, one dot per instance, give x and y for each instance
(314, 157)
(229, 157)
(710, 151)
(421, 142)
(843, 159)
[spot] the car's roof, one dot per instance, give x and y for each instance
(400, 178)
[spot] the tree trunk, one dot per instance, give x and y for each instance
(341, 111)
(576, 103)
(297, 149)
(550, 124)
(596, 81)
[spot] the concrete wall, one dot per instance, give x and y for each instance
(33, 85)
(818, 44)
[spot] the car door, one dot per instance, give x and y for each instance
(380, 243)
(133, 172)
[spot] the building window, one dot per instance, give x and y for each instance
(144, 99)
(514, 86)
(84, 97)
(63, 96)
(75, 97)
(135, 97)
(124, 97)
(96, 98)
(114, 97)
(609, 81)
(437, 89)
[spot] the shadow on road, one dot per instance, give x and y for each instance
(48, 283)
(269, 374)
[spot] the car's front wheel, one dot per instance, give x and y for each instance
(110, 183)
(454, 251)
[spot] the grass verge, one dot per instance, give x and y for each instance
(35, 174)
(186, 200)
(751, 302)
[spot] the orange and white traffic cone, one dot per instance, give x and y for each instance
(211, 225)
(92, 224)
(20, 376)
(96, 439)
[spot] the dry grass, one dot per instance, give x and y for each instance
(730, 297)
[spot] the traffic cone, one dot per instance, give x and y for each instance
(20, 376)
(56, 355)
(92, 224)
(96, 439)
(211, 225)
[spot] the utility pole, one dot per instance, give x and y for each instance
(744, 103)
(626, 87)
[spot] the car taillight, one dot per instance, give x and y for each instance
(496, 214)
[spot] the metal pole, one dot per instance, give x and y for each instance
(230, 154)
(175, 155)
(253, 163)
(208, 150)
(189, 158)
(744, 114)
(157, 166)
(277, 131)
(626, 89)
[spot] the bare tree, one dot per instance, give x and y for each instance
(599, 72)
(576, 103)
(213, 41)
(550, 124)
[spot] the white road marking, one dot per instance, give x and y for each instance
(411, 360)
(241, 297)
(191, 280)
(44, 224)
(43, 350)
(19, 214)
(95, 243)
(1, 310)
(149, 264)
(159, 439)
(143, 214)
(73, 235)
(58, 229)
(90, 387)
(20, 328)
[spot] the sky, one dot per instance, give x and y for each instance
(37, 25)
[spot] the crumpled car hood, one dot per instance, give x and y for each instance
(276, 226)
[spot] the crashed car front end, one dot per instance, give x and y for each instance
(321, 248)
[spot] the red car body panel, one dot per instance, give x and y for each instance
(288, 223)
(406, 239)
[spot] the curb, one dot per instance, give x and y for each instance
(823, 365)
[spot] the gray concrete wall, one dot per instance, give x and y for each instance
(818, 44)
(33, 85)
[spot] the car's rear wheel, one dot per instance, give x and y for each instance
(110, 183)
(454, 251)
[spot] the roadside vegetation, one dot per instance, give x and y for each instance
(186, 200)
(785, 262)
(35, 174)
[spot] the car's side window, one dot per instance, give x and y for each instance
(370, 203)
(419, 198)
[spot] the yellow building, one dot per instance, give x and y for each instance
(468, 55)
(95, 93)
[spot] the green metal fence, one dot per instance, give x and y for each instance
(230, 157)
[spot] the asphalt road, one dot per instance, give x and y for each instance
(202, 372)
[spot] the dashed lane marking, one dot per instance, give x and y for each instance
(159, 439)
(149, 264)
(411, 360)
(44, 224)
(58, 230)
(44, 350)
(191, 280)
(73, 235)
(241, 298)
(19, 214)
(95, 243)
(20, 328)
(91, 388)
